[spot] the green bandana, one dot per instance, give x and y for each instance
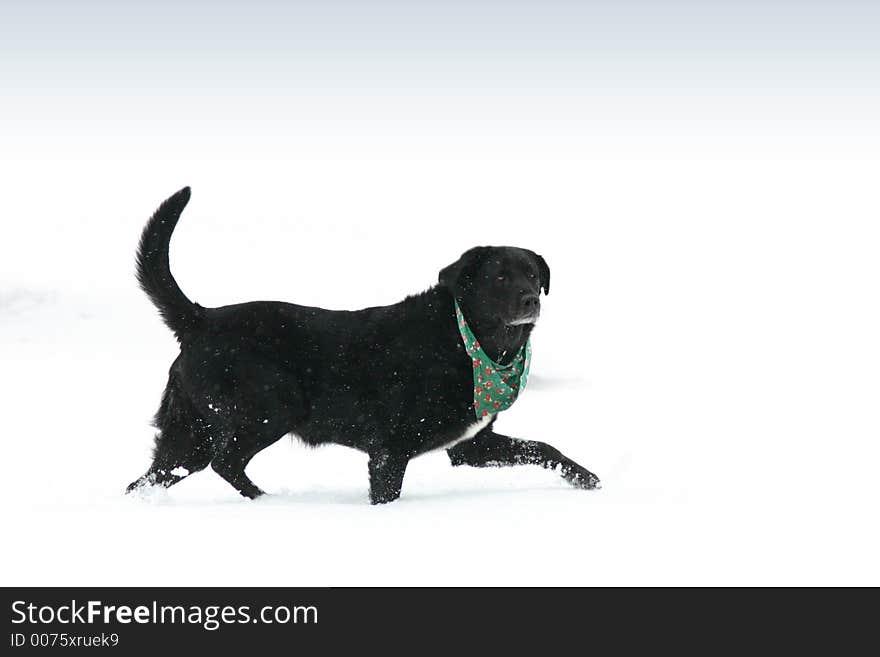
(496, 386)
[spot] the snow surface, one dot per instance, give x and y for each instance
(710, 348)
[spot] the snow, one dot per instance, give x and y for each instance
(709, 347)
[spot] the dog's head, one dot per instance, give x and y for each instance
(499, 288)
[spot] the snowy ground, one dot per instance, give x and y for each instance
(711, 336)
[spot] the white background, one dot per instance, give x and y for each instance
(701, 177)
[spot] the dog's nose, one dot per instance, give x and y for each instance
(530, 303)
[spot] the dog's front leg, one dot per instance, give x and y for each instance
(488, 449)
(386, 475)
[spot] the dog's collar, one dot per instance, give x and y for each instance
(496, 386)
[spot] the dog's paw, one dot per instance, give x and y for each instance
(383, 496)
(148, 492)
(580, 477)
(141, 485)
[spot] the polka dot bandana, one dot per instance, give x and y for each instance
(496, 386)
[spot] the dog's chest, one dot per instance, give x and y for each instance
(470, 432)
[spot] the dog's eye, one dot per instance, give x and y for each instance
(532, 275)
(500, 278)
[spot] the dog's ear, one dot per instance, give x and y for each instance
(543, 271)
(451, 275)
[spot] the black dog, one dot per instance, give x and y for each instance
(392, 381)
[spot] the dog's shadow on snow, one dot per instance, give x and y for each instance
(361, 498)
(347, 497)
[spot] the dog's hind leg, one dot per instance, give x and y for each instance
(235, 452)
(489, 449)
(189, 453)
(183, 444)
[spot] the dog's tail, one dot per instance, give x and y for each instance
(154, 273)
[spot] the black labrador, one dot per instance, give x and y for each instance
(392, 381)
